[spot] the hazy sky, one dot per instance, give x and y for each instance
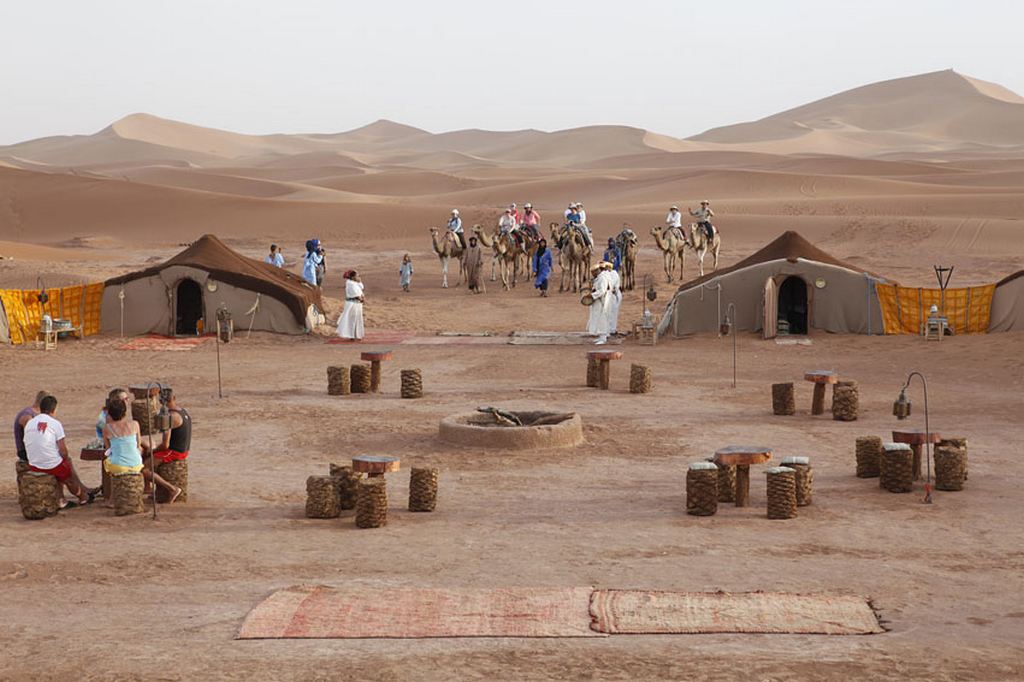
(260, 66)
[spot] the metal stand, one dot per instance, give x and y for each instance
(901, 409)
(163, 423)
(727, 327)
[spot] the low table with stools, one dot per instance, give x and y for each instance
(821, 378)
(742, 456)
(603, 359)
(915, 438)
(98, 455)
(375, 357)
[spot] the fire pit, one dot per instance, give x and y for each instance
(513, 430)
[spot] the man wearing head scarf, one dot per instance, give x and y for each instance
(600, 291)
(542, 267)
(313, 266)
(615, 296)
(350, 324)
(473, 261)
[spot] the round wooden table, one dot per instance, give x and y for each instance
(742, 456)
(604, 365)
(375, 357)
(915, 438)
(375, 465)
(98, 455)
(820, 377)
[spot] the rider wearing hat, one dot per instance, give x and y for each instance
(455, 227)
(704, 215)
(531, 220)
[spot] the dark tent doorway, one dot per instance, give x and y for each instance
(188, 310)
(793, 304)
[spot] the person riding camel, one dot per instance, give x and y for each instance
(575, 221)
(507, 225)
(455, 227)
(515, 213)
(531, 221)
(674, 223)
(704, 215)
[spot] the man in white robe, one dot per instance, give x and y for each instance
(350, 324)
(614, 297)
(602, 294)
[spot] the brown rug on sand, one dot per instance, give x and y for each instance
(651, 612)
(311, 611)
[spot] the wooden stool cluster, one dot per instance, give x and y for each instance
(726, 478)
(362, 487)
(367, 378)
(897, 464)
(845, 398)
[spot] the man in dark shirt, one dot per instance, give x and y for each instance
(177, 441)
(24, 417)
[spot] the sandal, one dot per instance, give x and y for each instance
(69, 504)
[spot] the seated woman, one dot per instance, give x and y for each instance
(124, 455)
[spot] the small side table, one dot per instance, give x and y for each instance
(375, 465)
(821, 378)
(604, 369)
(935, 328)
(48, 339)
(915, 438)
(97, 455)
(375, 358)
(742, 456)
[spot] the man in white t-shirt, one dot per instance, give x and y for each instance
(48, 453)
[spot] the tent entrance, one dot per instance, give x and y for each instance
(793, 306)
(188, 308)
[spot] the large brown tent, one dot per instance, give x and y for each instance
(182, 295)
(1008, 304)
(789, 283)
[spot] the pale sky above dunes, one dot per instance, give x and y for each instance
(678, 68)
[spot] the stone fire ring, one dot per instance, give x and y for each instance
(472, 428)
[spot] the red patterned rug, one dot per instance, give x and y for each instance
(155, 342)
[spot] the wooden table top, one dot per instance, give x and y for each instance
(822, 376)
(375, 464)
(375, 355)
(605, 354)
(915, 436)
(92, 454)
(743, 454)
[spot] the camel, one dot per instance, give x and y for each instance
(628, 245)
(446, 248)
(573, 257)
(699, 243)
(507, 253)
(673, 247)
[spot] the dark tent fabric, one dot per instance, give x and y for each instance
(212, 255)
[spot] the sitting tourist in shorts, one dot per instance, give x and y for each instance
(48, 453)
(124, 454)
(175, 443)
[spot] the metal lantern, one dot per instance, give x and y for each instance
(224, 325)
(901, 408)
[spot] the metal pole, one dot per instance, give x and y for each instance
(152, 457)
(927, 436)
(220, 394)
(730, 313)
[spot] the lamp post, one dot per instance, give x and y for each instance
(162, 423)
(730, 326)
(901, 410)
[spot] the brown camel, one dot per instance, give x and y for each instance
(628, 243)
(673, 247)
(573, 257)
(446, 248)
(507, 254)
(699, 243)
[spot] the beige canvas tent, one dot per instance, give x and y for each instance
(789, 280)
(181, 296)
(1008, 304)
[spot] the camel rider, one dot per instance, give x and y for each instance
(583, 214)
(674, 222)
(455, 227)
(704, 215)
(515, 213)
(531, 220)
(568, 211)
(575, 221)
(507, 224)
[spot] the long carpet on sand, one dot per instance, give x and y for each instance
(651, 612)
(316, 611)
(154, 342)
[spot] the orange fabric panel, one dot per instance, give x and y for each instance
(905, 310)
(93, 303)
(980, 313)
(71, 303)
(889, 305)
(30, 303)
(17, 316)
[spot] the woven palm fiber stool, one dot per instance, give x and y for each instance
(360, 378)
(897, 474)
(604, 365)
(869, 454)
(338, 382)
(372, 503)
(957, 442)
(639, 379)
(702, 489)
(950, 467)
(126, 491)
(915, 438)
(804, 477)
(782, 399)
(345, 480)
(726, 481)
(175, 473)
(845, 401)
(20, 469)
(375, 357)
(144, 411)
(821, 378)
(742, 456)
(423, 489)
(412, 383)
(322, 498)
(38, 495)
(781, 493)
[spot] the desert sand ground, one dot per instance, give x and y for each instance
(87, 595)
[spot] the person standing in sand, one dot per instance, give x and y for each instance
(405, 273)
(473, 261)
(597, 323)
(542, 267)
(274, 257)
(350, 324)
(614, 296)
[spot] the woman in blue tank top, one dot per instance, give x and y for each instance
(124, 454)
